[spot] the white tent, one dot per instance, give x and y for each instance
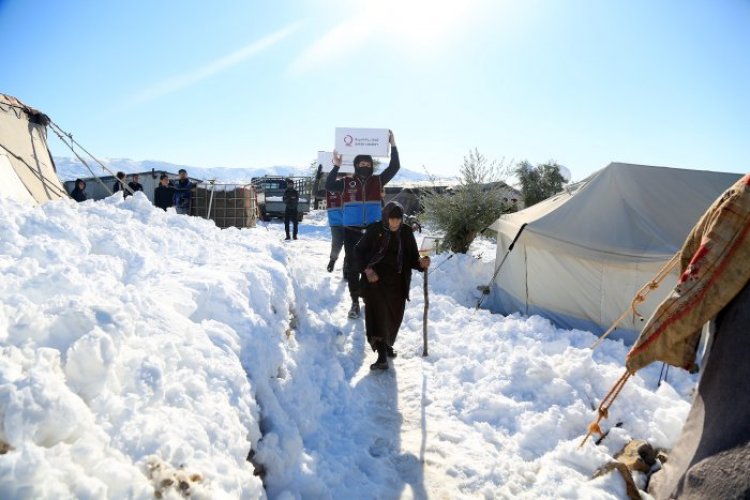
(27, 172)
(582, 255)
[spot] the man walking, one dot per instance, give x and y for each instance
(362, 201)
(291, 200)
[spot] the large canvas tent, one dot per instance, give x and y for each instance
(582, 255)
(27, 172)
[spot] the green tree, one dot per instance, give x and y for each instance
(478, 200)
(539, 182)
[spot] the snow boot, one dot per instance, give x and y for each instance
(287, 238)
(331, 263)
(354, 311)
(391, 352)
(382, 362)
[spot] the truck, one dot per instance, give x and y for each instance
(270, 191)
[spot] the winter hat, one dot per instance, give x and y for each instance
(392, 209)
(360, 158)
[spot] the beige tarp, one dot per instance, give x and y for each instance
(27, 171)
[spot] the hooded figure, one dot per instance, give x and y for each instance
(79, 191)
(362, 202)
(387, 253)
(291, 200)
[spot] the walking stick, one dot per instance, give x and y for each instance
(424, 315)
(427, 247)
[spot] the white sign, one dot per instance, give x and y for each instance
(325, 158)
(362, 141)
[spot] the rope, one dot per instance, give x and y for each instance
(46, 183)
(603, 410)
(60, 133)
(640, 297)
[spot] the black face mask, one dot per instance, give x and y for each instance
(363, 171)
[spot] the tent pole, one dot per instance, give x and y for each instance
(486, 290)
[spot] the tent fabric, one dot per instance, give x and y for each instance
(715, 266)
(712, 456)
(27, 171)
(585, 252)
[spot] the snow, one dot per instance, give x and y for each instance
(148, 351)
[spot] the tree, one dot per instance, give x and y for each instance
(540, 182)
(479, 199)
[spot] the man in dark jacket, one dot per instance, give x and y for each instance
(164, 193)
(79, 191)
(362, 200)
(291, 200)
(135, 184)
(182, 192)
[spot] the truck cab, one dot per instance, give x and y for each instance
(270, 192)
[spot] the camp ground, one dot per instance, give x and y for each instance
(144, 353)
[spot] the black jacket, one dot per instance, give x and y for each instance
(369, 245)
(79, 194)
(291, 199)
(163, 196)
(135, 186)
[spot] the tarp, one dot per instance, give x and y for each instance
(27, 172)
(584, 253)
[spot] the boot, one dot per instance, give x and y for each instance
(331, 263)
(287, 237)
(295, 236)
(391, 352)
(382, 362)
(354, 311)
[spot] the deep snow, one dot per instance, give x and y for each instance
(139, 345)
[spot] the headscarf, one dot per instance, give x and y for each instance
(391, 209)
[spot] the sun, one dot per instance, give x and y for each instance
(417, 21)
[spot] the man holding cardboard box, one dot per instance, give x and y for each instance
(362, 200)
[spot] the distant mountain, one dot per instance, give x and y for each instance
(72, 168)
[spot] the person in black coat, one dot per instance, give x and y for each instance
(291, 200)
(164, 193)
(119, 183)
(79, 191)
(135, 184)
(387, 253)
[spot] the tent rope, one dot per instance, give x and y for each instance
(640, 297)
(603, 410)
(45, 181)
(60, 133)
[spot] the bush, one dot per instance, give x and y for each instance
(479, 199)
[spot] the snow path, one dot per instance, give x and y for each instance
(496, 410)
(383, 413)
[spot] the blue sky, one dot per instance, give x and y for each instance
(253, 84)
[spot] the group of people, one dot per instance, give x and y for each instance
(167, 194)
(175, 194)
(380, 251)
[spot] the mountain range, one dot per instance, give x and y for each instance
(72, 168)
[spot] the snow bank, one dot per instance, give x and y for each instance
(145, 351)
